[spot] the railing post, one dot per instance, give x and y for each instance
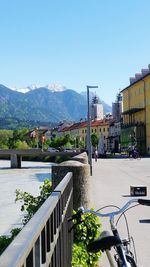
(81, 181)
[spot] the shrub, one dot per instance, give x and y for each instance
(84, 233)
(6, 240)
(30, 203)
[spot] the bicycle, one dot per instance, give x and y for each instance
(134, 155)
(123, 256)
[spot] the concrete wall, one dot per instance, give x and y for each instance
(81, 179)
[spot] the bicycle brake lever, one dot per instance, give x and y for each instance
(145, 202)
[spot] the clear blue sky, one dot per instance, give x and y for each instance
(74, 43)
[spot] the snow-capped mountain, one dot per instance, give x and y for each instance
(42, 105)
(52, 87)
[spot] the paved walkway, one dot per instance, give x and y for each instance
(111, 182)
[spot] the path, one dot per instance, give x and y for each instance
(111, 182)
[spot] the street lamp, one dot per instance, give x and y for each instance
(37, 137)
(89, 145)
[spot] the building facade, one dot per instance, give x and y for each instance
(78, 131)
(136, 112)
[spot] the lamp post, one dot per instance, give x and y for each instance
(89, 144)
(37, 137)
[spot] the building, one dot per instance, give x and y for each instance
(114, 136)
(136, 112)
(115, 125)
(117, 108)
(97, 112)
(78, 131)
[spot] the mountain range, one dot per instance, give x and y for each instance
(46, 104)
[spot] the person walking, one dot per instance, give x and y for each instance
(96, 154)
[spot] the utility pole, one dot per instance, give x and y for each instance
(89, 144)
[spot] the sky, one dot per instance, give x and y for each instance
(74, 43)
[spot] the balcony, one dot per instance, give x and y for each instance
(132, 124)
(132, 111)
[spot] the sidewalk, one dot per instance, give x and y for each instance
(111, 182)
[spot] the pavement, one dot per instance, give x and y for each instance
(111, 181)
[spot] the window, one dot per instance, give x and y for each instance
(100, 129)
(103, 129)
(139, 91)
(95, 130)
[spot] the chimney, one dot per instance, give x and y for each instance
(138, 76)
(132, 80)
(145, 71)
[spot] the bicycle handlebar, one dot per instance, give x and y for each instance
(81, 210)
(145, 202)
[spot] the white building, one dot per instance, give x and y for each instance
(96, 109)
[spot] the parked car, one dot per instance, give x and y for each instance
(69, 150)
(52, 149)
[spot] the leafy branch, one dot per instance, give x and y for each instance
(30, 203)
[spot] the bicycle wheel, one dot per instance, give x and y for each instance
(131, 261)
(138, 156)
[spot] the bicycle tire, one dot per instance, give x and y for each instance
(129, 260)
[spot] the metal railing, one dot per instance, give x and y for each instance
(45, 241)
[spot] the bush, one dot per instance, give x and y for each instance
(84, 233)
(30, 203)
(6, 240)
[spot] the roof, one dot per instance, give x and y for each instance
(83, 124)
(141, 79)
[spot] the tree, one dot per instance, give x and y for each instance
(94, 139)
(21, 145)
(18, 135)
(4, 137)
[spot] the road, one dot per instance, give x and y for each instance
(111, 183)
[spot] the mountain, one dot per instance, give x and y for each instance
(43, 105)
(52, 87)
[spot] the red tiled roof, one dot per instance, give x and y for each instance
(83, 124)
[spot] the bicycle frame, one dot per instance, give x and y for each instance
(122, 260)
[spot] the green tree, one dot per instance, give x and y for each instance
(4, 137)
(21, 145)
(94, 139)
(18, 135)
(63, 141)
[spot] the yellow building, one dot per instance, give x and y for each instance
(136, 112)
(78, 131)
